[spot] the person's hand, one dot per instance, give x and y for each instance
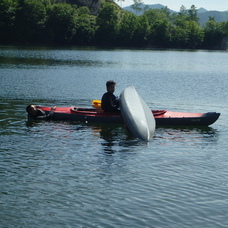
(53, 107)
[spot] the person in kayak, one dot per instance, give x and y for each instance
(35, 113)
(109, 102)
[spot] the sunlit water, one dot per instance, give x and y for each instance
(70, 174)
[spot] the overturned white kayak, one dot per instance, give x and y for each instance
(136, 114)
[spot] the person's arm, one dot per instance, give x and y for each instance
(115, 102)
(46, 116)
(104, 102)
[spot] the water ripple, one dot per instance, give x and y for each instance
(71, 174)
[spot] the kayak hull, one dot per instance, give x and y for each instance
(136, 114)
(162, 117)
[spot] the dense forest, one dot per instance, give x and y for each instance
(52, 22)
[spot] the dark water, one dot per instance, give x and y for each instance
(70, 174)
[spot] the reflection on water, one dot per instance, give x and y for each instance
(115, 136)
(188, 135)
(26, 58)
(87, 167)
(13, 62)
(110, 136)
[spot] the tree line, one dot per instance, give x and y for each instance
(52, 22)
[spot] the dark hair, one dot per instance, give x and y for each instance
(29, 108)
(110, 83)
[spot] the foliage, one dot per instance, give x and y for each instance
(86, 27)
(213, 33)
(30, 20)
(127, 28)
(7, 18)
(61, 23)
(107, 22)
(56, 22)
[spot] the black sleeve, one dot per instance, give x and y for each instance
(46, 116)
(43, 116)
(116, 102)
(105, 101)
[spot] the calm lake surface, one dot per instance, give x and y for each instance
(71, 174)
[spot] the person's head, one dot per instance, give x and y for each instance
(31, 109)
(110, 85)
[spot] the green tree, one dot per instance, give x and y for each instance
(7, 19)
(213, 33)
(30, 21)
(158, 27)
(195, 34)
(184, 15)
(180, 37)
(179, 19)
(188, 35)
(160, 33)
(107, 22)
(86, 27)
(183, 11)
(127, 28)
(193, 14)
(187, 32)
(137, 6)
(61, 24)
(157, 14)
(224, 27)
(141, 31)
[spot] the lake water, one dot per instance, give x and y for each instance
(70, 174)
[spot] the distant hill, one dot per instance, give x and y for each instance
(203, 14)
(202, 10)
(218, 15)
(146, 7)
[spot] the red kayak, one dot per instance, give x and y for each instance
(162, 117)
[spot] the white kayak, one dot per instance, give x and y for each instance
(136, 114)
